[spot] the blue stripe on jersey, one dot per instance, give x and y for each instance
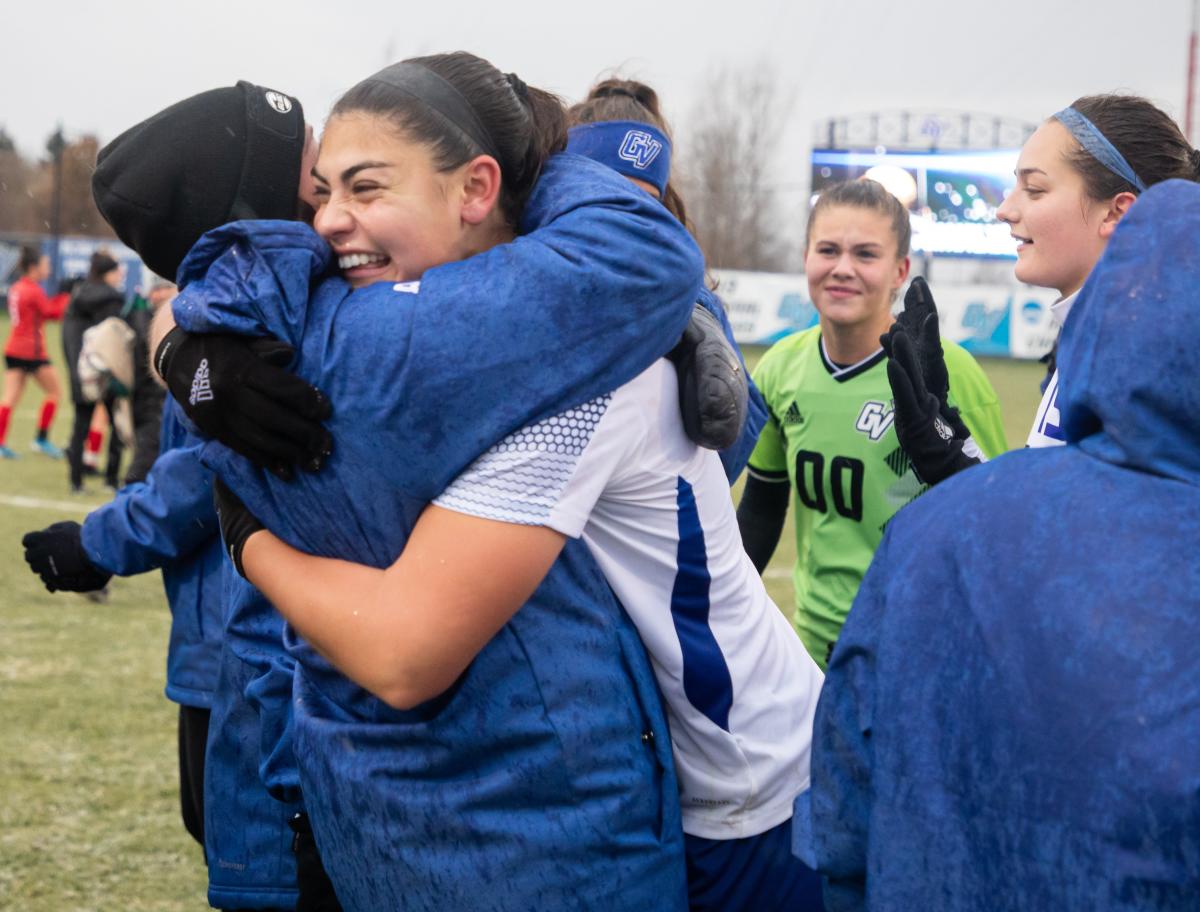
(706, 679)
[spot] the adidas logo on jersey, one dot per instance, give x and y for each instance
(875, 419)
(201, 390)
(792, 415)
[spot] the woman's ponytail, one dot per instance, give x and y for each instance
(547, 135)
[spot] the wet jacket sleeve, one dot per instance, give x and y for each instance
(843, 753)
(252, 279)
(156, 522)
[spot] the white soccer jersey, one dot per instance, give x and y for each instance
(655, 511)
(1047, 426)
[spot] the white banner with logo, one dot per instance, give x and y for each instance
(1007, 321)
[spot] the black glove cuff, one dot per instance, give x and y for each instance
(932, 467)
(237, 523)
(166, 351)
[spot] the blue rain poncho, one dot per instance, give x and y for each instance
(1011, 718)
(543, 779)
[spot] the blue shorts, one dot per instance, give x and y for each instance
(755, 874)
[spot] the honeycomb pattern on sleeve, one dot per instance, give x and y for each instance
(522, 478)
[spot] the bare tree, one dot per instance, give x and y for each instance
(17, 206)
(79, 213)
(728, 161)
(27, 190)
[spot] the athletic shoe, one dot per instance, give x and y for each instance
(46, 448)
(7, 452)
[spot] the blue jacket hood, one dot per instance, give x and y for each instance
(1128, 356)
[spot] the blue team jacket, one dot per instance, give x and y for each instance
(168, 521)
(538, 774)
(1011, 718)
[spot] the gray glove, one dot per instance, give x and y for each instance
(713, 390)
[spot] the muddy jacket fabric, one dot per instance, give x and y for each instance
(546, 772)
(1011, 719)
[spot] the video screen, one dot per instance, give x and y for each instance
(953, 196)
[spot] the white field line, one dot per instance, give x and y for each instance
(777, 573)
(36, 503)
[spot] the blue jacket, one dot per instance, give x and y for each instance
(734, 458)
(557, 801)
(1011, 718)
(168, 521)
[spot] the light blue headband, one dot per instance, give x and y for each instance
(1096, 145)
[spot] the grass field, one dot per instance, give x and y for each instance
(89, 816)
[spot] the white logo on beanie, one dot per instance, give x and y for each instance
(279, 102)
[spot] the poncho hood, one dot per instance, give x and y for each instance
(1129, 391)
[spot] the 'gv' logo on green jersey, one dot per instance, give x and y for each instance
(875, 419)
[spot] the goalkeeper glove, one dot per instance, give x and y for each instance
(931, 443)
(713, 390)
(919, 321)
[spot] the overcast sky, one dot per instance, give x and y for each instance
(100, 67)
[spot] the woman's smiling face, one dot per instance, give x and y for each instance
(1056, 225)
(382, 205)
(852, 265)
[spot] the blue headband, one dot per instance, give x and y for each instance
(1096, 145)
(629, 147)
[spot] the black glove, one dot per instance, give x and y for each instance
(316, 889)
(237, 523)
(56, 555)
(919, 321)
(926, 438)
(237, 391)
(713, 390)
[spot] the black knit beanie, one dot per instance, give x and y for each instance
(217, 157)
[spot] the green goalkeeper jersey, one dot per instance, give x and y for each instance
(830, 435)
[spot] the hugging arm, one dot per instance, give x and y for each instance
(601, 284)
(739, 439)
(405, 633)
(233, 384)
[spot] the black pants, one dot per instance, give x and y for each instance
(79, 432)
(147, 407)
(193, 736)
